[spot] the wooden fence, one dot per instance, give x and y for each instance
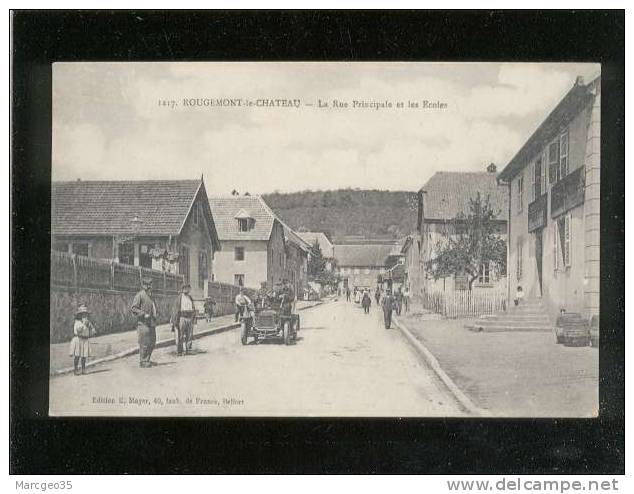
(75, 271)
(464, 303)
(224, 295)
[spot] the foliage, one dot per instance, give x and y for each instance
(469, 242)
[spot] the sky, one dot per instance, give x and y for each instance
(109, 123)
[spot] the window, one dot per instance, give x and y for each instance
(243, 224)
(556, 245)
(238, 279)
(520, 193)
(81, 248)
(203, 269)
(145, 256)
(563, 155)
(126, 253)
(485, 274)
(183, 262)
(238, 254)
(519, 260)
(562, 241)
(553, 162)
(537, 178)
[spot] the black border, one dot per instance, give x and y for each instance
(70, 446)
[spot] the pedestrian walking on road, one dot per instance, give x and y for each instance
(144, 308)
(519, 295)
(347, 294)
(388, 306)
(398, 301)
(183, 319)
(366, 301)
(83, 329)
(406, 299)
(377, 295)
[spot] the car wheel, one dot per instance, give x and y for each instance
(244, 333)
(286, 333)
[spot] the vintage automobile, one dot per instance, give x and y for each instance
(266, 321)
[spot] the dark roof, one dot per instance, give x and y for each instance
(226, 209)
(361, 255)
(324, 243)
(447, 194)
(569, 107)
(108, 207)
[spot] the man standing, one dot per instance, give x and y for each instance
(287, 297)
(144, 308)
(388, 307)
(406, 298)
(242, 303)
(399, 300)
(377, 295)
(347, 294)
(183, 319)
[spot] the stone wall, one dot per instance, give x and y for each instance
(110, 310)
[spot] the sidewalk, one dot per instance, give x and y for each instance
(112, 344)
(513, 374)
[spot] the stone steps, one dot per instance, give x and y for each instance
(529, 316)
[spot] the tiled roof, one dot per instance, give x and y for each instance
(447, 194)
(293, 237)
(324, 243)
(361, 255)
(225, 209)
(108, 207)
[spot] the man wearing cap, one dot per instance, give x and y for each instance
(388, 304)
(183, 319)
(144, 309)
(287, 297)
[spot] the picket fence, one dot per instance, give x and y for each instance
(75, 271)
(464, 303)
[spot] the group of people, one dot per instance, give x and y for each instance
(388, 301)
(282, 293)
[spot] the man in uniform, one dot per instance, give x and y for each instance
(287, 297)
(388, 306)
(183, 319)
(144, 308)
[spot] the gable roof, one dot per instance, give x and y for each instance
(358, 255)
(108, 207)
(327, 249)
(577, 98)
(225, 210)
(447, 194)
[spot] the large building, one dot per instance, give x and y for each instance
(554, 182)
(158, 224)
(443, 199)
(252, 238)
(360, 265)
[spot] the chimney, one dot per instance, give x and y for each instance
(492, 168)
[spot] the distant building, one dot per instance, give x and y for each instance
(361, 264)
(412, 263)
(157, 224)
(554, 186)
(297, 255)
(326, 246)
(252, 238)
(440, 201)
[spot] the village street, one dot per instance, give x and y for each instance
(343, 364)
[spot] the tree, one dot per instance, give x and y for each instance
(317, 263)
(469, 242)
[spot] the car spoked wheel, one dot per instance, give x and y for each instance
(244, 333)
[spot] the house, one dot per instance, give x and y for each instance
(253, 242)
(297, 255)
(360, 265)
(158, 224)
(412, 269)
(553, 183)
(441, 200)
(326, 246)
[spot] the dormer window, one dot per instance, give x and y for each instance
(245, 221)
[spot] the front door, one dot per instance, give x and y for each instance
(539, 255)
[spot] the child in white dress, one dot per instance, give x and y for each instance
(83, 329)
